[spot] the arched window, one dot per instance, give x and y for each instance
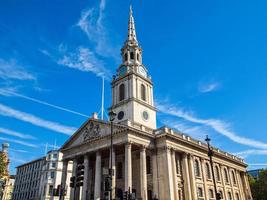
(122, 92)
(211, 194)
(143, 92)
(229, 196)
(221, 194)
(237, 196)
(233, 177)
(197, 168)
(208, 174)
(126, 56)
(217, 173)
(199, 192)
(226, 175)
(132, 55)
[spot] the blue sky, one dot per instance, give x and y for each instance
(207, 60)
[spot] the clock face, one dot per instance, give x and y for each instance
(142, 71)
(120, 115)
(122, 71)
(145, 115)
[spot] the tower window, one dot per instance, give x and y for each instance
(122, 92)
(143, 92)
(125, 56)
(138, 57)
(132, 55)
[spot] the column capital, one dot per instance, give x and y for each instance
(168, 148)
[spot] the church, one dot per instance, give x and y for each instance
(146, 161)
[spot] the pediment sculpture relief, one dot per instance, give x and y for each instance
(91, 131)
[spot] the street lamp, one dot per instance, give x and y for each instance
(112, 116)
(210, 154)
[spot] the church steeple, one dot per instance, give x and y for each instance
(132, 87)
(131, 28)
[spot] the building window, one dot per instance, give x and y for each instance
(54, 155)
(208, 174)
(138, 57)
(122, 92)
(199, 192)
(178, 167)
(197, 168)
(132, 55)
(53, 164)
(221, 193)
(143, 92)
(237, 196)
(233, 177)
(229, 196)
(226, 175)
(211, 194)
(126, 56)
(50, 191)
(217, 173)
(148, 165)
(149, 195)
(52, 175)
(119, 170)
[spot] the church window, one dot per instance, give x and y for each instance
(143, 92)
(199, 192)
(148, 165)
(126, 56)
(132, 55)
(221, 194)
(197, 168)
(233, 177)
(217, 173)
(138, 57)
(229, 196)
(211, 194)
(208, 174)
(122, 92)
(226, 176)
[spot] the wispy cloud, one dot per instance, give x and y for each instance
(18, 150)
(250, 152)
(217, 125)
(208, 87)
(92, 24)
(11, 70)
(26, 117)
(16, 134)
(85, 60)
(7, 92)
(18, 161)
(257, 164)
(19, 142)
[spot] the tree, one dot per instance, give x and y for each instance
(259, 186)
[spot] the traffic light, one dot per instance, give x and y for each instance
(125, 195)
(80, 174)
(72, 181)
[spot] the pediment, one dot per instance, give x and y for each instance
(91, 130)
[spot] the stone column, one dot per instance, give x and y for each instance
(113, 166)
(169, 174)
(241, 189)
(128, 167)
(97, 191)
(204, 177)
(192, 177)
(74, 170)
(85, 193)
(246, 185)
(155, 174)
(186, 178)
(64, 176)
(175, 184)
(143, 174)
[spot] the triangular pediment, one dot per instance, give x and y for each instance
(91, 130)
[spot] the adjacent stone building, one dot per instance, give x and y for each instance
(148, 161)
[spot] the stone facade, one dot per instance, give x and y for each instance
(149, 162)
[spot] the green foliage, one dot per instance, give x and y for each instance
(259, 186)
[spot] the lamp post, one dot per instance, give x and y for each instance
(210, 154)
(112, 116)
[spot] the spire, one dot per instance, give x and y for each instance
(131, 28)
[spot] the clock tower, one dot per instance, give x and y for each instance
(132, 87)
